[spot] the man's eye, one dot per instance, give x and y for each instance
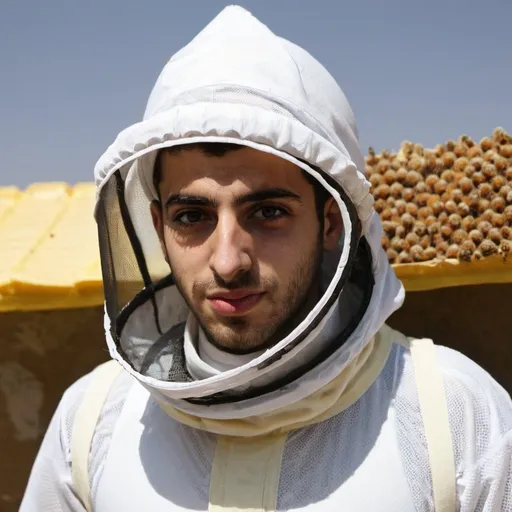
(189, 218)
(269, 213)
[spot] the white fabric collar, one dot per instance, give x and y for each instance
(203, 359)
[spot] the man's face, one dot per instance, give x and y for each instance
(243, 240)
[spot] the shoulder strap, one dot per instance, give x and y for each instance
(434, 412)
(84, 426)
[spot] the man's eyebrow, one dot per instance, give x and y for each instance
(252, 197)
(266, 194)
(185, 199)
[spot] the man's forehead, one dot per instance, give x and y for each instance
(245, 170)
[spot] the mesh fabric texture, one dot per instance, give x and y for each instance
(324, 460)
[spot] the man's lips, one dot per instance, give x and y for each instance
(234, 302)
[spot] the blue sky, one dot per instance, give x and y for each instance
(73, 74)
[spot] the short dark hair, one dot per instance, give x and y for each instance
(218, 149)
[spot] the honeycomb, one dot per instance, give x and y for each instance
(450, 202)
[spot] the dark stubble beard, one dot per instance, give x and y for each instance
(237, 335)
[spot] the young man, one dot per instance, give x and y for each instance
(260, 374)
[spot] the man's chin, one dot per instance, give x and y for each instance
(237, 334)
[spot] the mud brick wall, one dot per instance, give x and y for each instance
(475, 320)
(41, 354)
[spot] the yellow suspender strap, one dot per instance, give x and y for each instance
(84, 426)
(245, 473)
(434, 411)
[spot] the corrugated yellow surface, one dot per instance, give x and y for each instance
(49, 256)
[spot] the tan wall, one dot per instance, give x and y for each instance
(42, 353)
(476, 320)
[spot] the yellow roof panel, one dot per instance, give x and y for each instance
(8, 197)
(71, 240)
(27, 224)
(49, 247)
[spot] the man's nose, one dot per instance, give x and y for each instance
(231, 251)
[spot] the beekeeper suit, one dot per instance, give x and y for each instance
(341, 412)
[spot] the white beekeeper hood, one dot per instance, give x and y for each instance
(237, 82)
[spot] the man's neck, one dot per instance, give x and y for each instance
(204, 359)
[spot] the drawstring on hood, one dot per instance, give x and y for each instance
(239, 83)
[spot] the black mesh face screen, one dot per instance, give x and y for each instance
(122, 279)
(134, 268)
(145, 307)
(106, 253)
(136, 245)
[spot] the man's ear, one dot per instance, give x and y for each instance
(158, 224)
(333, 224)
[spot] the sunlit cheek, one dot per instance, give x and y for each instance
(280, 256)
(190, 263)
(270, 250)
(271, 244)
(274, 257)
(189, 258)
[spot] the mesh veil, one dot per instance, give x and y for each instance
(137, 279)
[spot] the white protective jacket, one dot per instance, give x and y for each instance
(343, 413)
